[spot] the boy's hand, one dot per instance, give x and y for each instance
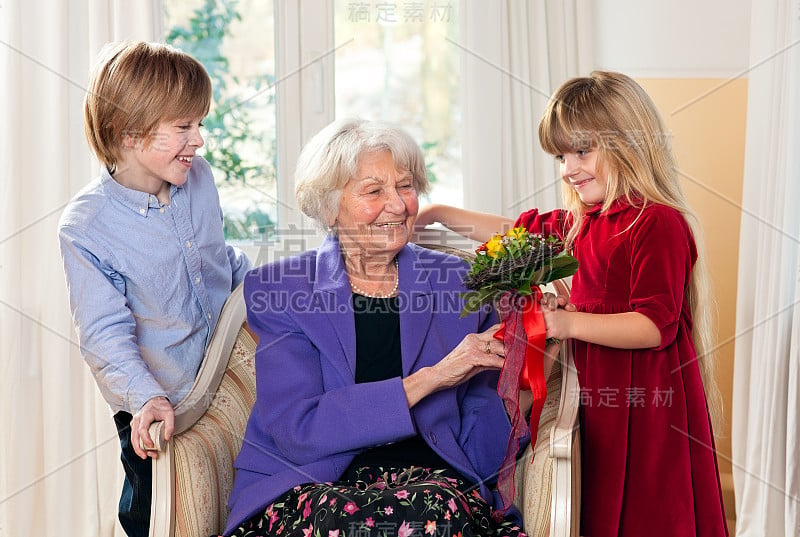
(156, 409)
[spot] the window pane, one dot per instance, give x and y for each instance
(397, 62)
(234, 41)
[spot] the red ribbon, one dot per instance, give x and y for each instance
(524, 335)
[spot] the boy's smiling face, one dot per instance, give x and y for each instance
(163, 159)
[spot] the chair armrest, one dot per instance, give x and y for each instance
(196, 402)
(565, 452)
(466, 255)
(157, 434)
(199, 507)
(561, 434)
(193, 406)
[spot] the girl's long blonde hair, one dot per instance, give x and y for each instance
(611, 114)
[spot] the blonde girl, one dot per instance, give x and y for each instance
(638, 314)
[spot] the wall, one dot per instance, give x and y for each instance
(692, 59)
(708, 138)
(677, 39)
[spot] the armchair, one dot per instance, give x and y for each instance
(193, 474)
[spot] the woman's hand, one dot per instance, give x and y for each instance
(475, 353)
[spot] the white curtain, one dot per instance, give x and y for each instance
(515, 55)
(766, 438)
(59, 454)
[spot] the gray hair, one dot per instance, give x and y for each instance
(331, 158)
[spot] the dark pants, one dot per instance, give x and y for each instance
(134, 504)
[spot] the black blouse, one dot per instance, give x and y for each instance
(378, 357)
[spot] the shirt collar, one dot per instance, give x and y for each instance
(135, 200)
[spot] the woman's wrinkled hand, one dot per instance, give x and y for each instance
(475, 353)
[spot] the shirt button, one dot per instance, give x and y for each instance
(209, 316)
(161, 210)
(142, 210)
(197, 280)
(188, 244)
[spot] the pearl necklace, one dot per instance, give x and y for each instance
(357, 290)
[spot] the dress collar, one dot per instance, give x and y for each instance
(617, 206)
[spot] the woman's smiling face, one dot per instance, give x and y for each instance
(378, 207)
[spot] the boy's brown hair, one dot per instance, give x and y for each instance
(136, 85)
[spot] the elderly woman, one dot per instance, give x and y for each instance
(376, 411)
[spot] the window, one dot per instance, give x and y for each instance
(283, 70)
(399, 62)
(234, 41)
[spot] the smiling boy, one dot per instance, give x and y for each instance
(143, 250)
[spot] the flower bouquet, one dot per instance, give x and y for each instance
(518, 261)
(507, 271)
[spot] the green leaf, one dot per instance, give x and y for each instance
(473, 300)
(525, 288)
(560, 266)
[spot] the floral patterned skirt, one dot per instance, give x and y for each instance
(382, 502)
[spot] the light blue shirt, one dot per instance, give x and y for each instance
(147, 282)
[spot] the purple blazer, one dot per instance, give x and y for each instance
(310, 417)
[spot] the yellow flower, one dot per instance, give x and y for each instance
(517, 233)
(494, 246)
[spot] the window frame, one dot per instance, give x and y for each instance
(304, 91)
(305, 100)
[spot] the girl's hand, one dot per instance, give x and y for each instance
(470, 224)
(426, 216)
(557, 318)
(560, 300)
(555, 309)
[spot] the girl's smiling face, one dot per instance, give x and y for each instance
(580, 171)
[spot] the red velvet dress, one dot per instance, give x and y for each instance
(649, 468)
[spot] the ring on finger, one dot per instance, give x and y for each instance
(488, 348)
